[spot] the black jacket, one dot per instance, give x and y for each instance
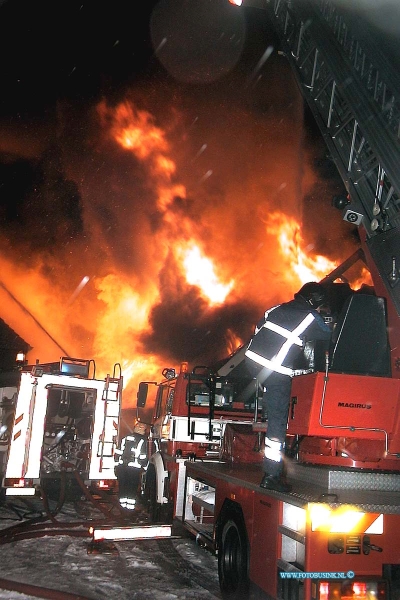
(281, 335)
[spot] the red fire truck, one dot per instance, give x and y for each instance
(182, 417)
(335, 534)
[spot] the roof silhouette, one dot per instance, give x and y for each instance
(10, 344)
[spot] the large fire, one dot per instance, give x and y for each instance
(189, 260)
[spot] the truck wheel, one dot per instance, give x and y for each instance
(233, 561)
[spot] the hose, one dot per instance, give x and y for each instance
(38, 591)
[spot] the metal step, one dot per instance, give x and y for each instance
(343, 479)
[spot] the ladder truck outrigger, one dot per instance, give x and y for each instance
(65, 428)
(335, 535)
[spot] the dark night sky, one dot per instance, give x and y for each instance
(68, 49)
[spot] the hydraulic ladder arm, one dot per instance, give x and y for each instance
(353, 91)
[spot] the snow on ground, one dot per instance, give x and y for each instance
(168, 569)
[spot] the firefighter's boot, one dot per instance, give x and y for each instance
(272, 482)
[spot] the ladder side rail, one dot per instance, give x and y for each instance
(109, 418)
(370, 124)
(367, 59)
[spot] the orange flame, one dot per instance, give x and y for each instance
(363, 279)
(200, 272)
(135, 131)
(301, 264)
(233, 342)
(125, 310)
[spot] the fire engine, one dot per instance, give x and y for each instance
(66, 423)
(182, 417)
(335, 534)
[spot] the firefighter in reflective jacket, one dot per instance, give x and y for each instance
(274, 355)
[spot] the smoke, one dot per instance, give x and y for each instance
(127, 182)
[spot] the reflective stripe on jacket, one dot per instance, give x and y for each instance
(279, 338)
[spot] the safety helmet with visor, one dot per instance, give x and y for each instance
(314, 293)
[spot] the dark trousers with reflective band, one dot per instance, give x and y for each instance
(275, 403)
(275, 407)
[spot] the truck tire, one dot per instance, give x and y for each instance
(233, 570)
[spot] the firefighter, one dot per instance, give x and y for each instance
(276, 352)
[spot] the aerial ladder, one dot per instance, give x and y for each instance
(353, 91)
